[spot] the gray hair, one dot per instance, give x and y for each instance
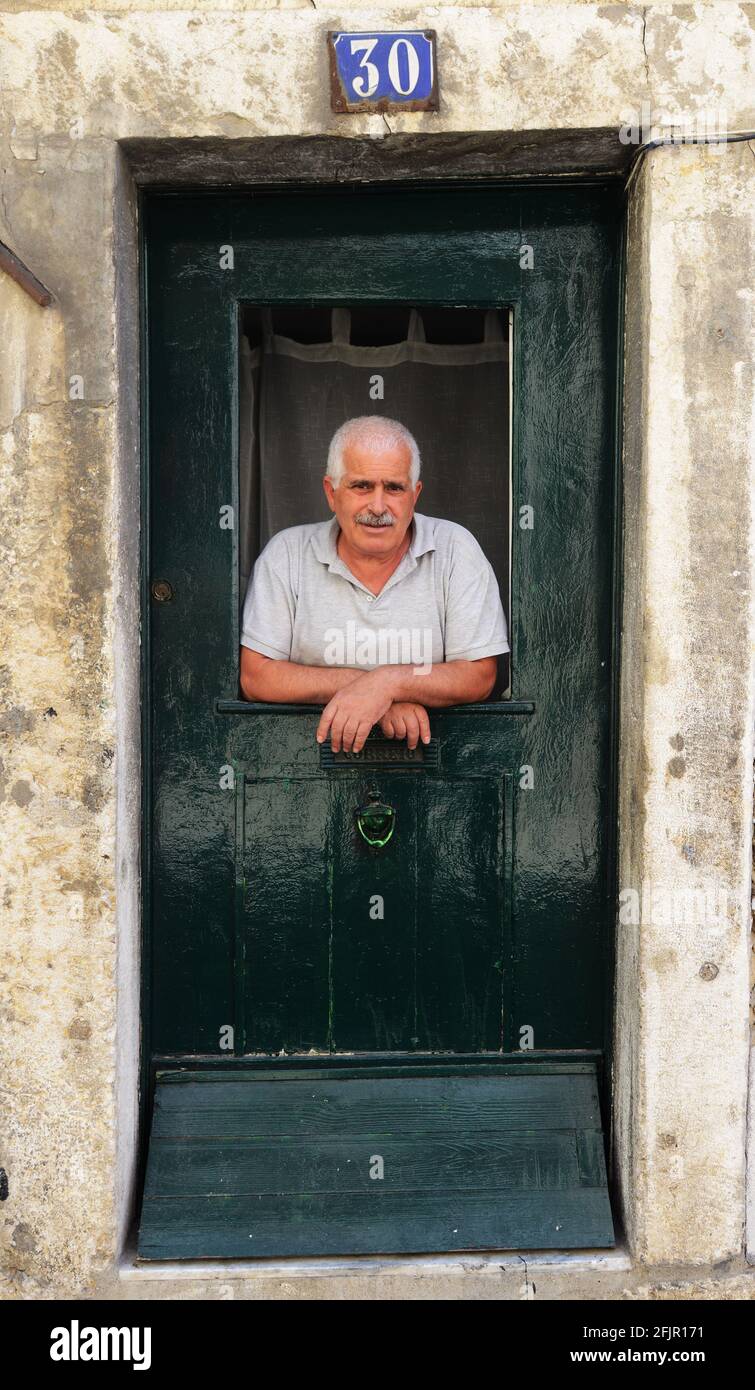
(377, 431)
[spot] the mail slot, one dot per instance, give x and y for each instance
(384, 753)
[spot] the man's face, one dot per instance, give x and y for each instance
(374, 501)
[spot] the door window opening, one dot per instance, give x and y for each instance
(445, 373)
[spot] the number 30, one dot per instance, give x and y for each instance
(367, 86)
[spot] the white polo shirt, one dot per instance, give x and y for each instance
(441, 603)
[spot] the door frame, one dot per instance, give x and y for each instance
(611, 185)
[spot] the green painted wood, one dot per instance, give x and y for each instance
(286, 918)
(283, 1166)
(374, 950)
(253, 1070)
(388, 1104)
(374, 957)
(261, 945)
(310, 1224)
(464, 929)
(340, 1164)
(177, 1071)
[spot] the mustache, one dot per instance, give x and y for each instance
(369, 519)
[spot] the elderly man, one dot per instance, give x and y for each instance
(379, 613)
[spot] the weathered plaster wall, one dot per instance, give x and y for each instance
(249, 73)
(76, 83)
(750, 1223)
(58, 731)
(687, 702)
(112, 6)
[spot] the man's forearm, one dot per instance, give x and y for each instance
(447, 683)
(288, 682)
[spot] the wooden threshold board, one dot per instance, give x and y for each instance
(343, 1162)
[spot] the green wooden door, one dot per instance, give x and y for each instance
(483, 925)
(353, 947)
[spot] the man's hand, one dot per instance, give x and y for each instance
(351, 713)
(406, 719)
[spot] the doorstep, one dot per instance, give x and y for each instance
(614, 1261)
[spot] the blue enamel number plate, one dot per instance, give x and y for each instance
(383, 72)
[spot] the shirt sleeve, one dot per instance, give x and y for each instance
(475, 621)
(267, 624)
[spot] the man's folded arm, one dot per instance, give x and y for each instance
(273, 681)
(447, 683)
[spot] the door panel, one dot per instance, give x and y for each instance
(285, 928)
(464, 927)
(349, 947)
(497, 892)
(374, 956)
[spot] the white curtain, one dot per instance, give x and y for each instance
(454, 399)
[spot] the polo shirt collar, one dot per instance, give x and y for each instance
(424, 535)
